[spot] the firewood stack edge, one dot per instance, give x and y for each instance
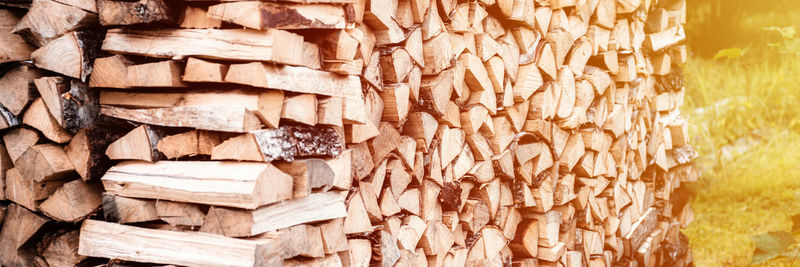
(343, 133)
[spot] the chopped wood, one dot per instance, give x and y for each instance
(17, 89)
(146, 11)
(138, 144)
(73, 202)
(215, 118)
(232, 184)
(47, 20)
(63, 250)
(198, 18)
(284, 143)
(294, 79)
(45, 162)
(128, 210)
(19, 226)
(240, 223)
(15, 48)
(71, 54)
(102, 239)
(70, 102)
(273, 45)
(262, 15)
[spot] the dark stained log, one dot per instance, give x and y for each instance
(71, 102)
(133, 12)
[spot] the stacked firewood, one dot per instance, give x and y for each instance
(343, 133)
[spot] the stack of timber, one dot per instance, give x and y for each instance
(343, 133)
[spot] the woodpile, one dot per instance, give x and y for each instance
(343, 133)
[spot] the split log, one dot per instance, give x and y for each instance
(73, 202)
(301, 240)
(18, 140)
(284, 143)
(197, 18)
(215, 118)
(128, 210)
(27, 192)
(308, 174)
(109, 240)
(47, 20)
(87, 148)
(138, 144)
(264, 15)
(37, 116)
(294, 79)
(232, 184)
(240, 223)
(113, 13)
(19, 226)
(157, 74)
(71, 54)
(18, 89)
(179, 214)
(14, 46)
(70, 102)
(198, 70)
(62, 250)
(45, 162)
(273, 45)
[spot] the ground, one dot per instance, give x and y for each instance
(745, 115)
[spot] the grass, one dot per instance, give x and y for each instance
(746, 125)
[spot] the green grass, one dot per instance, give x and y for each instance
(746, 126)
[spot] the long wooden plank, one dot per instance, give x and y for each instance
(294, 79)
(237, 222)
(116, 241)
(236, 44)
(214, 118)
(244, 185)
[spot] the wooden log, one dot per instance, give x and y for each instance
(240, 223)
(273, 45)
(18, 89)
(73, 202)
(70, 102)
(37, 116)
(16, 48)
(71, 54)
(300, 108)
(284, 143)
(294, 79)
(87, 148)
(301, 240)
(62, 248)
(18, 140)
(198, 70)
(308, 174)
(197, 18)
(47, 20)
(19, 226)
(229, 119)
(114, 13)
(26, 192)
(128, 210)
(138, 144)
(231, 184)
(110, 72)
(157, 74)
(109, 240)
(45, 162)
(264, 15)
(179, 214)
(437, 54)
